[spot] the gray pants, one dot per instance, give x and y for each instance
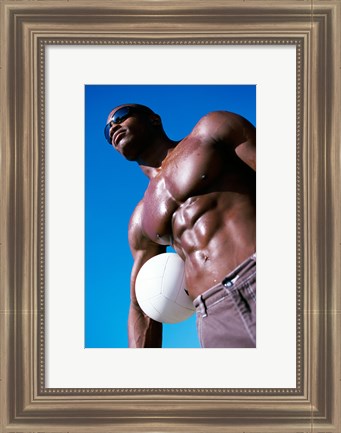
(226, 313)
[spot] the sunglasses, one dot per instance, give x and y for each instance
(119, 116)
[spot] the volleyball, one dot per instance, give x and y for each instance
(160, 289)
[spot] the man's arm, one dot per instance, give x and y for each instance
(232, 130)
(142, 330)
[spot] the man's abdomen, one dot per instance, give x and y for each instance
(213, 233)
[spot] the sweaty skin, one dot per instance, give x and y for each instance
(201, 199)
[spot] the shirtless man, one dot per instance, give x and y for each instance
(201, 199)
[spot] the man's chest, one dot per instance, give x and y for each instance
(184, 174)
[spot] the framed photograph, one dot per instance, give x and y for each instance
(66, 64)
(113, 188)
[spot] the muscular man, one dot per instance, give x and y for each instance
(201, 200)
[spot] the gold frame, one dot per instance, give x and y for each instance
(314, 27)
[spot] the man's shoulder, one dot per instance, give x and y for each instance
(214, 118)
(215, 125)
(136, 215)
(135, 233)
(221, 125)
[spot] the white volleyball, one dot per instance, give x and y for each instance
(160, 289)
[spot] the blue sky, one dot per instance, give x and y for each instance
(113, 187)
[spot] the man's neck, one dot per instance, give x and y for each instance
(151, 163)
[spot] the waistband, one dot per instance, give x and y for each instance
(229, 281)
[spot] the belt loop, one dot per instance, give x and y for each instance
(227, 282)
(204, 307)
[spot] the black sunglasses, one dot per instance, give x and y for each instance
(119, 116)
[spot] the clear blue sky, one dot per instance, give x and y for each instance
(113, 187)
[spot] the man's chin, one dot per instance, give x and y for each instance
(129, 156)
(128, 150)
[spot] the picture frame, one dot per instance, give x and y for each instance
(27, 27)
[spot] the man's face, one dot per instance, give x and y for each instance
(129, 130)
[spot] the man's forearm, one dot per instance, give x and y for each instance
(143, 332)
